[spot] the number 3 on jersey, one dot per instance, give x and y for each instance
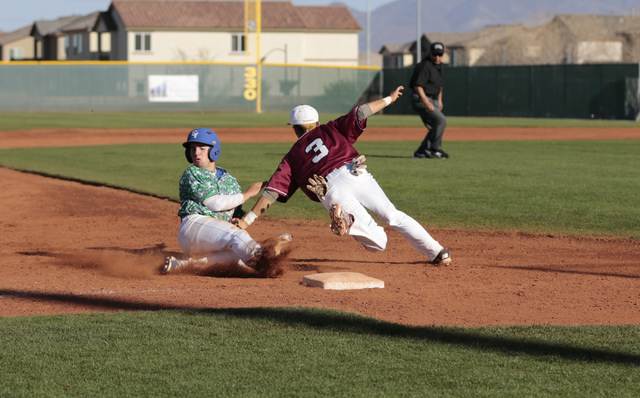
(317, 146)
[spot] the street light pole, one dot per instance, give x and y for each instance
(418, 34)
(368, 32)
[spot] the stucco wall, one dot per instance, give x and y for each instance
(26, 43)
(302, 48)
(598, 51)
(331, 48)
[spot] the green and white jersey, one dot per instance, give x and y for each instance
(198, 184)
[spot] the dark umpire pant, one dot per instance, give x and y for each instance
(433, 120)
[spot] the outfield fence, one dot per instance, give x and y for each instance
(200, 87)
(602, 91)
(599, 91)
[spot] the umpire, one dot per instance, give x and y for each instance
(426, 99)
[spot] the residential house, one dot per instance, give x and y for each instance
(397, 56)
(597, 38)
(473, 48)
(49, 41)
(85, 40)
(214, 31)
(16, 45)
(566, 39)
(375, 59)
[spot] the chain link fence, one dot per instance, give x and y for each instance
(594, 91)
(123, 87)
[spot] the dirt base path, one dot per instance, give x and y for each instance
(68, 247)
(75, 137)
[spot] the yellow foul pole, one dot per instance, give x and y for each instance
(258, 59)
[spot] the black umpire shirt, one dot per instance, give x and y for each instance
(429, 76)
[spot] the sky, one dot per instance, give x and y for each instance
(16, 14)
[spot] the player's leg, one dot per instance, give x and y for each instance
(342, 191)
(373, 198)
(203, 260)
(201, 236)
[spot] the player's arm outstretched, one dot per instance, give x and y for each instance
(378, 105)
(253, 190)
(224, 202)
(264, 202)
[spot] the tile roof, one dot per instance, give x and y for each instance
(44, 28)
(397, 48)
(15, 35)
(83, 23)
(451, 39)
(327, 17)
(230, 15)
(479, 37)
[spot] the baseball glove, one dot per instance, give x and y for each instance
(318, 186)
(357, 165)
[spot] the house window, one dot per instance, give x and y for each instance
(15, 53)
(399, 62)
(143, 42)
(237, 43)
(77, 44)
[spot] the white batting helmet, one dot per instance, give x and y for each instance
(303, 114)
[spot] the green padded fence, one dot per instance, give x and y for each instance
(73, 87)
(602, 91)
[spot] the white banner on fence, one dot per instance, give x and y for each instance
(173, 88)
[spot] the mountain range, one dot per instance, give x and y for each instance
(395, 23)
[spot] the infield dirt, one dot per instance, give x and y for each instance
(68, 247)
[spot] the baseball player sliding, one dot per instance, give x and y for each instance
(324, 164)
(209, 195)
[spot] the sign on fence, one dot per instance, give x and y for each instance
(173, 88)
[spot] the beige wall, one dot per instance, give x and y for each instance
(89, 46)
(302, 48)
(272, 46)
(185, 47)
(26, 44)
(598, 51)
(475, 54)
(62, 54)
(407, 60)
(331, 49)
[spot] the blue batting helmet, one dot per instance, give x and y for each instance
(205, 136)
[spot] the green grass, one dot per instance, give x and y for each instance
(573, 187)
(275, 352)
(557, 187)
(113, 120)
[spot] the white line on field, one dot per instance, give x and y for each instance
(98, 292)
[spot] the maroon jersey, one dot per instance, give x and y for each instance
(318, 151)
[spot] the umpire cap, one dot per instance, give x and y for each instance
(437, 48)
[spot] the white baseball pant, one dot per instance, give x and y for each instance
(357, 193)
(218, 241)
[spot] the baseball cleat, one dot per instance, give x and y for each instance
(443, 258)
(423, 155)
(171, 264)
(341, 221)
(286, 237)
(283, 240)
(441, 154)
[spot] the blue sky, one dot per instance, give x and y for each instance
(15, 14)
